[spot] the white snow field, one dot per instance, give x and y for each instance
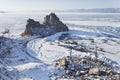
(33, 57)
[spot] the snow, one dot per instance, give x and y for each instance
(42, 49)
(95, 23)
(33, 57)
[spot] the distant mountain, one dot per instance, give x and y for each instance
(103, 10)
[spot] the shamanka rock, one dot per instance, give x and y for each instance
(51, 25)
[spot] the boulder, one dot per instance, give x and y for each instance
(78, 73)
(94, 71)
(63, 62)
(51, 25)
(110, 72)
(68, 72)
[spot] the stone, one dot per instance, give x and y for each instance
(78, 73)
(110, 72)
(50, 26)
(94, 71)
(63, 62)
(68, 72)
(84, 72)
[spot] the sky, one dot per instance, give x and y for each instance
(56, 4)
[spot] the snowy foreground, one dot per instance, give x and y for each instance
(33, 58)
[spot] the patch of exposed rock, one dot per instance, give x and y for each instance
(51, 25)
(87, 68)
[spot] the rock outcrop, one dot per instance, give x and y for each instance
(51, 25)
(76, 67)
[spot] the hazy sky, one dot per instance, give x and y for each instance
(56, 4)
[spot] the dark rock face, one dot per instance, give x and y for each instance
(51, 19)
(51, 25)
(30, 25)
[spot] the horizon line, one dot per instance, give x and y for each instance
(58, 9)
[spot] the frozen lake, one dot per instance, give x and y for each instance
(15, 21)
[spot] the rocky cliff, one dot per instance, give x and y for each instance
(51, 25)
